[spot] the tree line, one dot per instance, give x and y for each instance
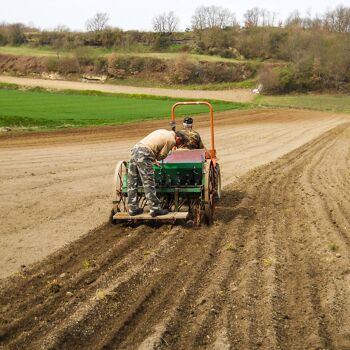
(302, 53)
(204, 18)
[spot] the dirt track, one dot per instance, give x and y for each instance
(272, 273)
(236, 95)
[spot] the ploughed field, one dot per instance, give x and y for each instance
(272, 272)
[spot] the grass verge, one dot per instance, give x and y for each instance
(333, 103)
(40, 51)
(143, 82)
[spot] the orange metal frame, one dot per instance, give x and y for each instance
(212, 150)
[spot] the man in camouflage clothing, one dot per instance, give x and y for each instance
(144, 154)
(194, 139)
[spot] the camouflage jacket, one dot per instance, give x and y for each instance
(194, 139)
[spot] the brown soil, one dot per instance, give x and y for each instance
(271, 273)
(236, 95)
(23, 64)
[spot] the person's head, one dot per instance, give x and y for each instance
(180, 139)
(188, 122)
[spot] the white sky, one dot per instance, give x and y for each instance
(138, 14)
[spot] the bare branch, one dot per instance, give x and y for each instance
(338, 20)
(213, 17)
(97, 23)
(165, 23)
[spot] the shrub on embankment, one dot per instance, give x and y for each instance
(315, 61)
(181, 70)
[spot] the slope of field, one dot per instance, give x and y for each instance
(334, 103)
(272, 273)
(56, 186)
(25, 50)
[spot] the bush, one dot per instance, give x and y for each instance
(180, 70)
(216, 72)
(101, 65)
(51, 64)
(136, 65)
(184, 48)
(275, 80)
(113, 67)
(122, 66)
(3, 38)
(269, 79)
(15, 34)
(155, 65)
(85, 56)
(120, 62)
(68, 65)
(162, 42)
(227, 53)
(287, 78)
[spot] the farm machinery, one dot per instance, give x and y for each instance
(188, 183)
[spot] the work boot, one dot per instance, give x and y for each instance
(135, 212)
(159, 212)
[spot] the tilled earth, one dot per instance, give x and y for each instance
(272, 272)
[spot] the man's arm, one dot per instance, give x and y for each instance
(200, 143)
(165, 150)
(201, 146)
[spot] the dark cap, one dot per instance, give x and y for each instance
(188, 120)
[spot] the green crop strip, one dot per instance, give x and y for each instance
(42, 109)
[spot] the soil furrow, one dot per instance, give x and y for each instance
(271, 273)
(83, 280)
(129, 297)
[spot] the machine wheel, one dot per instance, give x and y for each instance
(209, 193)
(218, 183)
(110, 219)
(120, 201)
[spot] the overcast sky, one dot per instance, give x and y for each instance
(138, 14)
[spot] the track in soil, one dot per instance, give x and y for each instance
(56, 186)
(271, 273)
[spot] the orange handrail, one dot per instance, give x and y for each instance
(212, 150)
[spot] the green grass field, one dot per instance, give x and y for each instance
(25, 50)
(147, 82)
(194, 57)
(47, 51)
(43, 109)
(335, 103)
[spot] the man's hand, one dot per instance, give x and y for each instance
(156, 162)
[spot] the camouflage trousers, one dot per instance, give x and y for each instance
(141, 163)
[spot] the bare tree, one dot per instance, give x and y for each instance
(165, 23)
(213, 17)
(294, 19)
(259, 17)
(199, 19)
(225, 18)
(16, 33)
(268, 18)
(252, 17)
(338, 20)
(58, 45)
(158, 23)
(98, 22)
(172, 22)
(61, 28)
